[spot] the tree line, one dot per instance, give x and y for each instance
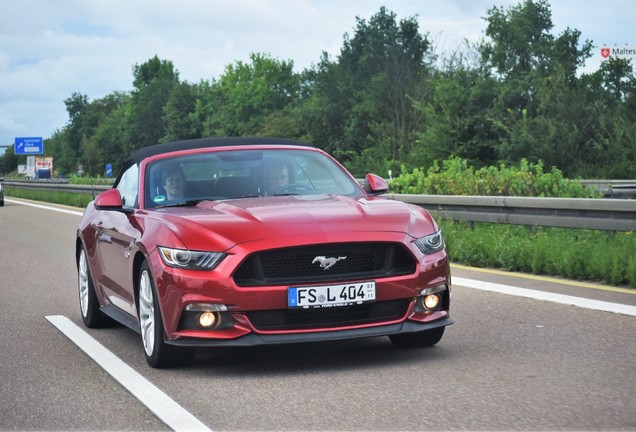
(386, 102)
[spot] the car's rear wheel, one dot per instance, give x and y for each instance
(89, 306)
(420, 339)
(158, 353)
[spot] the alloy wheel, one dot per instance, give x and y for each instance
(82, 283)
(147, 312)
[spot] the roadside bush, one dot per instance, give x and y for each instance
(79, 180)
(455, 177)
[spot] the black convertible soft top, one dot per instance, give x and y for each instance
(144, 152)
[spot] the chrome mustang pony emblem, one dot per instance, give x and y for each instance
(326, 263)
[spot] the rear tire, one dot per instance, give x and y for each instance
(421, 339)
(89, 305)
(158, 353)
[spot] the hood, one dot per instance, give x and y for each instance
(227, 223)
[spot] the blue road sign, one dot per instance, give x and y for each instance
(109, 170)
(28, 146)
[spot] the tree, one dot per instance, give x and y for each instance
(110, 135)
(154, 81)
(70, 146)
(8, 161)
(537, 103)
(610, 94)
(366, 98)
(241, 100)
(458, 116)
(520, 38)
(385, 63)
(181, 120)
(324, 109)
(616, 77)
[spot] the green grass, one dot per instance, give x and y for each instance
(590, 255)
(65, 198)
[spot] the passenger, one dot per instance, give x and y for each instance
(173, 181)
(275, 178)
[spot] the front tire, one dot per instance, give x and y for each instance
(421, 339)
(89, 305)
(158, 353)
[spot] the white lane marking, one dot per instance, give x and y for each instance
(166, 409)
(547, 296)
(40, 206)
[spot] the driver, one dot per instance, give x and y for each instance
(275, 177)
(173, 181)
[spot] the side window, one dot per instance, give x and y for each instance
(128, 186)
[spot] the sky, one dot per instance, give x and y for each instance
(50, 49)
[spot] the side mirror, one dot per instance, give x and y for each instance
(375, 185)
(109, 200)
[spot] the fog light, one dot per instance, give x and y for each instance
(207, 319)
(205, 316)
(431, 302)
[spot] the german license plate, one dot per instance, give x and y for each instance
(331, 295)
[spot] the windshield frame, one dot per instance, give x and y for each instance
(312, 172)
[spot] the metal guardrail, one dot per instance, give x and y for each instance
(612, 188)
(56, 186)
(591, 213)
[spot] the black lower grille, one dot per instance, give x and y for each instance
(342, 316)
(311, 263)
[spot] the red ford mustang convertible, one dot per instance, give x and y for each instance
(249, 241)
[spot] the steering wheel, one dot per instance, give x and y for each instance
(294, 187)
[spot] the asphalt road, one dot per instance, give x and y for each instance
(508, 363)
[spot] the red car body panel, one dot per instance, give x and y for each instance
(117, 241)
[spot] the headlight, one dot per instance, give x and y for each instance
(187, 259)
(431, 243)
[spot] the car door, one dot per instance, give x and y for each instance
(117, 234)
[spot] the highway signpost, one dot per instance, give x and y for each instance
(28, 146)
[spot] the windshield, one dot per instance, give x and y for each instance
(222, 175)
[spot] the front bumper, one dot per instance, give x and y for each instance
(254, 339)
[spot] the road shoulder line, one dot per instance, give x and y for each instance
(164, 407)
(67, 210)
(547, 296)
(553, 280)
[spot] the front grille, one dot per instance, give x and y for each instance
(341, 316)
(301, 264)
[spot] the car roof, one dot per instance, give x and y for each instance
(144, 152)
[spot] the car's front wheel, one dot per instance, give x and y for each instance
(420, 339)
(89, 305)
(158, 353)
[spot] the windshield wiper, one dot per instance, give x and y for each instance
(188, 203)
